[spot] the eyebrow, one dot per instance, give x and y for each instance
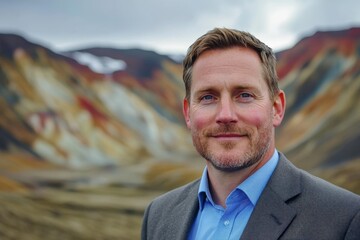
(213, 89)
(247, 87)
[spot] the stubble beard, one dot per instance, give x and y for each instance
(258, 146)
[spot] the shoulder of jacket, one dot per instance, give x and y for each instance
(178, 194)
(309, 185)
(321, 187)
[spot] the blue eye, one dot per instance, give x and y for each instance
(245, 95)
(207, 97)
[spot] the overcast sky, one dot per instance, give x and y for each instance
(170, 26)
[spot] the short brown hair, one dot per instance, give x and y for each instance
(221, 38)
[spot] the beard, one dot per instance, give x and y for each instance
(231, 158)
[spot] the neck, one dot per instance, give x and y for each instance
(222, 183)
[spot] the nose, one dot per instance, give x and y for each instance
(226, 112)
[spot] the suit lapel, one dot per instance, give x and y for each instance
(272, 215)
(269, 219)
(186, 211)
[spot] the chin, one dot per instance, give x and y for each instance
(229, 169)
(231, 164)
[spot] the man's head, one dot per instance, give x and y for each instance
(221, 38)
(233, 102)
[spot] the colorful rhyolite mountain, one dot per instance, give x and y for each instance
(321, 131)
(88, 137)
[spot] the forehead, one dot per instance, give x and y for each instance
(229, 57)
(239, 65)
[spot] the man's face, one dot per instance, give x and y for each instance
(230, 113)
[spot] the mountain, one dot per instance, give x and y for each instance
(321, 131)
(88, 137)
(63, 112)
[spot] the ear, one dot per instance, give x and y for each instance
(279, 108)
(186, 111)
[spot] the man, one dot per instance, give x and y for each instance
(248, 189)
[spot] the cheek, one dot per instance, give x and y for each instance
(200, 120)
(257, 117)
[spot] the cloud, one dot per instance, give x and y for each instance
(326, 15)
(169, 26)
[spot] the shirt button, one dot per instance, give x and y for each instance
(226, 223)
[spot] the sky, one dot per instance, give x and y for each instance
(170, 26)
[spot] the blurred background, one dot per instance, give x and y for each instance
(91, 126)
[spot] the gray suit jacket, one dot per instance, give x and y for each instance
(293, 205)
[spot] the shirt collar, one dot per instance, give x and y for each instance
(252, 186)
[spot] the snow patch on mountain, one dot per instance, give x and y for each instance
(105, 65)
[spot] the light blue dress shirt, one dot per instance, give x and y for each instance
(213, 222)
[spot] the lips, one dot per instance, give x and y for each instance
(228, 135)
(227, 132)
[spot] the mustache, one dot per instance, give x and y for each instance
(227, 129)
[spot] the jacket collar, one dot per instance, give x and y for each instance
(186, 211)
(272, 214)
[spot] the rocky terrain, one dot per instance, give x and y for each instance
(321, 131)
(88, 137)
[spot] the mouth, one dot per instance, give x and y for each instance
(229, 136)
